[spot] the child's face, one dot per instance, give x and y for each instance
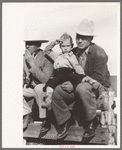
(66, 46)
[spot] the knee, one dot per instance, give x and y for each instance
(39, 88)
(58, 92)
(83, 88)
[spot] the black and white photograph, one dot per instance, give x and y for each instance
(61, 75)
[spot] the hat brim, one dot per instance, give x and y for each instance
(84, 34)
(41, 41)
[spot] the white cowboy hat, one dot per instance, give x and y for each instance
(86, 28)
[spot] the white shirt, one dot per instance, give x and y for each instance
(83, 57)
(68, 60)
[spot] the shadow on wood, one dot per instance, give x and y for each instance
(75, 135)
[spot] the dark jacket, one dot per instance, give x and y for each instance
(96, 64)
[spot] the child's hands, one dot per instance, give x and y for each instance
(48, 48)
(67, 86)
(57, 41)
(79, 69)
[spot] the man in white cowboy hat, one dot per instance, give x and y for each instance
(94, 61)
(37, 70)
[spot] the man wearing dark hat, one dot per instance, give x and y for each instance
(37, 70)
(94, 61)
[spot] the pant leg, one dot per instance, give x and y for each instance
(55, 81)
(26, 108)
(39, 99)
(28, 92)
(52, 82)
(38, 93)
(75, 78)
(85, 94)
(60, 101)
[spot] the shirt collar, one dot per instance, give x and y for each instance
(85, 52)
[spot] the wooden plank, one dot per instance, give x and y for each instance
(33, 130)
(113, 80)
(75, 134)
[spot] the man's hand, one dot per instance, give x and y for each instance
(29, 58)
(67, 86)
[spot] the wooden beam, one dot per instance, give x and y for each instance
(75, 134)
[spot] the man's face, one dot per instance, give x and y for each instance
(66, 46)
(31, 48)
(83, 41)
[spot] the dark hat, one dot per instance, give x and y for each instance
(39, 41)
(35, 42)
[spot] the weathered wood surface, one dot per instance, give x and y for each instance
(113, 80)
(109, 120)
(75, 134)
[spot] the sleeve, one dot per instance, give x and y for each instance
(74, 62)
(99, 69)
(52, 55)
(44, 74)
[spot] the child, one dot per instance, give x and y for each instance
(66, 68)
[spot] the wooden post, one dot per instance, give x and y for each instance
(111, 120)
(104, 118)
(110, 110)
(107, 115)
(105, 104)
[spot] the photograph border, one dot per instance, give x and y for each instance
(2, 64)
